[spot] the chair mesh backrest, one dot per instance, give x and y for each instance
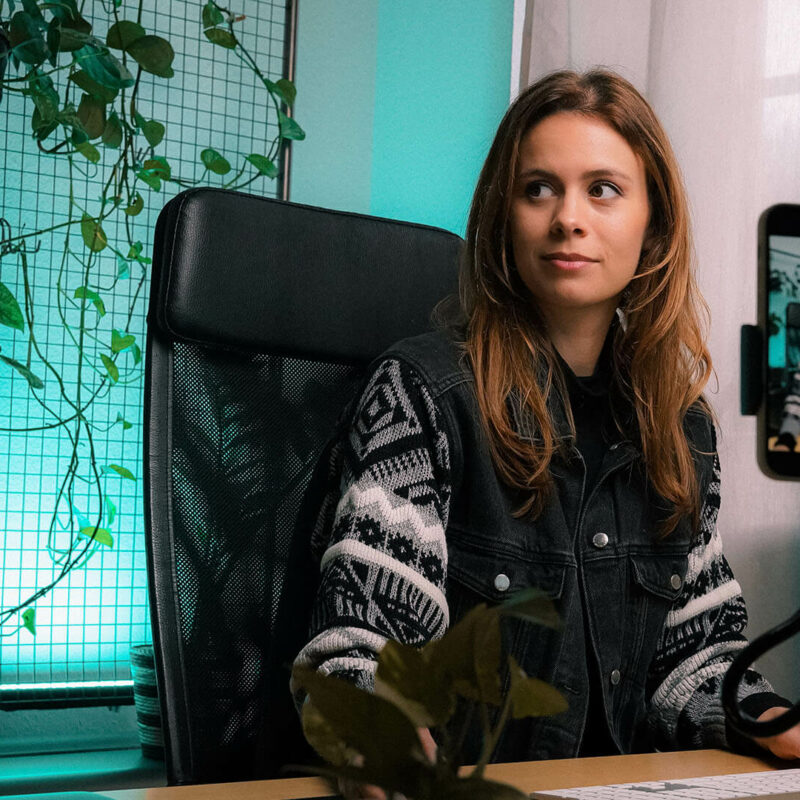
(247, 430)
(263, 316)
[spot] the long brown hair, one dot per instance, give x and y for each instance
(660, 360)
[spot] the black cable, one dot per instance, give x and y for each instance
(743, 723)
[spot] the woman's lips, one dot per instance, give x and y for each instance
(569, 264)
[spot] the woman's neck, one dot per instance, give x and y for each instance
(579, 337)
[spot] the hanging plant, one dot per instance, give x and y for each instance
(81, 78)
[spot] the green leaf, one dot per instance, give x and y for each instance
(405, 678)
(100, 535)
(111, 367)
(153, 54)
(84, 293)
(215, 161)
(531, 697)
(26, 39)
(34, 381)
(82, 79)
(94, 237)
(284, 89)
(53, 40)
(41, 130)
(112, 509)
(73, 39)
(66, 11)
(153, 131)
(212, 15)
(158, 165)
(126, 426)
(101, 66)
(29, 620)
(120, 341)
(121, 35)
(468, 656)
(150, 178)
(88, 151)
(289, 128)
(112, 134)
(92, 115)
(365, 723)
(123, 270)
(123, 472)
(135, 208)
(532, 605)
(263, 165)
(221, 37)
(10, 312)
(137, 354)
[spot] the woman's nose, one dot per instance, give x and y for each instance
(569, 215)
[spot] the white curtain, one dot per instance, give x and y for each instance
(724, 78)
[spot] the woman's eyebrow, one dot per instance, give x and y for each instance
(602, 172)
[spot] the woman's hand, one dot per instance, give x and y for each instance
(351, 790)
(784, 745)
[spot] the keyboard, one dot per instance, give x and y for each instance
(781, 784)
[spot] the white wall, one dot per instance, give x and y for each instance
(724, 77)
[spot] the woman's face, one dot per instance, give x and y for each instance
(579, 215)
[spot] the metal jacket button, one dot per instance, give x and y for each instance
(675, 581)
(616, 676)
(502, 582)
(600, 540)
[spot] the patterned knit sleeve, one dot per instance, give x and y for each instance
(380, 532)
(703, 633)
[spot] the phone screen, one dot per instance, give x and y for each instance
(782, 319)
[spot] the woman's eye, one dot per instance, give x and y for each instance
(598, 190)
(538, 189)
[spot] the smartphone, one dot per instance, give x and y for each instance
(779, 319)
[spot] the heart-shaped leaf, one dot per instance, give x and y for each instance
(158, 165)
(289, 128)
(215, 161)
(84, 293)
(284, 89)
(92, 87)
(101, 66)
(27, 39)
(132, 210)
(153, 131)
(111, 367)
(153, 54)
(88, 151)
(10, 312)
(121, 35)
(212, 15)
(92, 116)
(112, 134)
(111, 512)
(100, 535)
(221, 37)
(94, 237)
(121, 341)
(263, 165)
(531, 697)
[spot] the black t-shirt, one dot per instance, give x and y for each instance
(589, 400)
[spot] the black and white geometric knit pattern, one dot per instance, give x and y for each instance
(381, 530)
(702, 635)
(381, 540)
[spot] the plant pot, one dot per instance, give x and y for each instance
(145, 698)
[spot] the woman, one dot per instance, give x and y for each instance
(557, 437)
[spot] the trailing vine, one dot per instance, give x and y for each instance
(83, 89)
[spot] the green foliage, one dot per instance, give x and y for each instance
(99, 535)
(80, 78)
(10, 312)
(29, 620)
(371, 737)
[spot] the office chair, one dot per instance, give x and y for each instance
(263, 315)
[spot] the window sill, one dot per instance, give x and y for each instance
(83, 771)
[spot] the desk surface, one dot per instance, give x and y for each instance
(528, 777)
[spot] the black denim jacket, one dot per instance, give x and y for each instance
(612, 564)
